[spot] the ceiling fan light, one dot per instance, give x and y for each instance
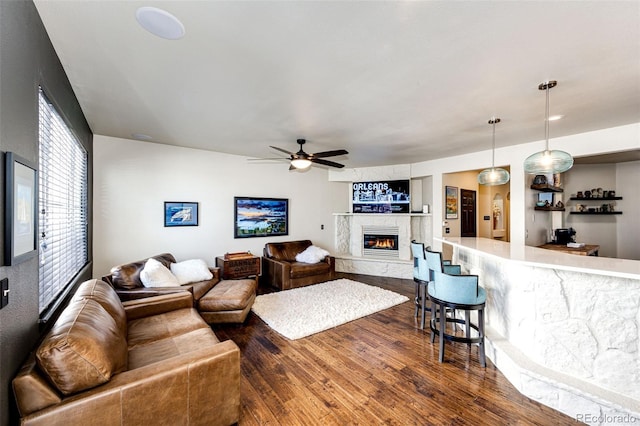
(547, 162)
(493, 176)
(300, 163)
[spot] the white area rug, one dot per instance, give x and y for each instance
(303, 311)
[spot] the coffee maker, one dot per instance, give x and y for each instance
(564, 235)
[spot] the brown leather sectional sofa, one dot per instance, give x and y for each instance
(226, 301)
(281, 270)
(144, 361)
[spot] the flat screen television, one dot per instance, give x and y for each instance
(382, 196)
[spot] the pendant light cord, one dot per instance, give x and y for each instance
(493, 150)
(546, 122)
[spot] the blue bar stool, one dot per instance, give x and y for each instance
(460, 292)
(421, 278)
(436, 263)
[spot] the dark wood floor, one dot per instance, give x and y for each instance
(381, 369)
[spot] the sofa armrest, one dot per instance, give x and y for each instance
(216, 273)
(201, 387)
(140, 308)
(277, 272)
(331, 260)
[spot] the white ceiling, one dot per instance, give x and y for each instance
(391, 82)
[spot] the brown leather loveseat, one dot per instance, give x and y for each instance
(218, 301)
(125, 279)
(281, 270)
(152, 360)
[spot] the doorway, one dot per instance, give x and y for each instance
(468, 213)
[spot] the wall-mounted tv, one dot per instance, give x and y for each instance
(382, 196)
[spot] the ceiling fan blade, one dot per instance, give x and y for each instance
(281, 150)
(268, 159)
(330, 153)
(327, 163)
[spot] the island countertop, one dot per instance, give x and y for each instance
(542, 258)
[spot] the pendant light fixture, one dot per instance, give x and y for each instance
(546, 162)
(493, 176)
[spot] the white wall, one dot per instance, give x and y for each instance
(593, 229)
(133, 179)
(603, 141)
(628, 232)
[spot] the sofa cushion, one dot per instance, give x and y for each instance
(286, 250)
(127, 276)
(161, 326)
(83, 349)
(106, 296)
(300, 270)
(155, 274)
(191, 271)
(163, 349)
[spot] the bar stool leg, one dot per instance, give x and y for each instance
(433, 320)
(483, 361)
(443, 322)
(423, 295)
(467, 323)
(417, 295)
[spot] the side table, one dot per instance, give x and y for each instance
(238, 266)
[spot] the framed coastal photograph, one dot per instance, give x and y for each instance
(260, 217)
(180, 214)
(451, 202)
(21, 207)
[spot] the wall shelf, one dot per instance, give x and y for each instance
(545, 187)
(595, 198)
(550, 209)
(595, 213)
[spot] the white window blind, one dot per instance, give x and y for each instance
(62, 203)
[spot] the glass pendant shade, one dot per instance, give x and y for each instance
(300, 163)
(548, 161)
(494, 175)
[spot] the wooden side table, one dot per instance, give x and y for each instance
(238, 267)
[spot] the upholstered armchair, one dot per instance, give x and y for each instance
(280, 268)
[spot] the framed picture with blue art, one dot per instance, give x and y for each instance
(261, 217)
(180, 214)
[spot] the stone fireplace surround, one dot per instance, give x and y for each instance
(349, 228)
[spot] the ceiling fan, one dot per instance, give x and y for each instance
(301, 160)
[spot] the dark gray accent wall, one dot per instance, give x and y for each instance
(27, 60)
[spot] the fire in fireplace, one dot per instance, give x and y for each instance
(380, 242)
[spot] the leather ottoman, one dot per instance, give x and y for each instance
(229, 301)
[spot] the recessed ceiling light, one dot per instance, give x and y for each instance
(556, 117)
(160, 22)
(141, 136)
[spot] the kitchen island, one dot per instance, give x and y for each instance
(564, 329)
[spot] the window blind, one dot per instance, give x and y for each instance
(62, 221)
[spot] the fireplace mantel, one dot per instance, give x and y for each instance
(349, 235)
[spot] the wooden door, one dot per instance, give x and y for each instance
(468, 213)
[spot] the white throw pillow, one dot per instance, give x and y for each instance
(312, 254)
(191, 271)
(155, 274)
